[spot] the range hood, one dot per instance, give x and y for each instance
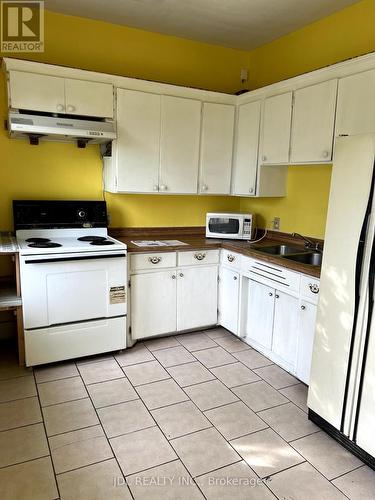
(37, 127)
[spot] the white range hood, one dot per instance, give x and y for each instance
(37, 127)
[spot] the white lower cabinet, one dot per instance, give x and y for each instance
(285, 328)
(259, 314)
(152, 305)
(306, 331)
(229, 295)
(196, 297)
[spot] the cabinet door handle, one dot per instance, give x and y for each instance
(277, 296)
(325, 154)
(251, 190)
(60, 107)
(264, 158)
(181, 275)
(270, 294)
(71, 108)
(156, 187)
(234, 277)
(204, 187)
(314, 287)
(199, 256)
(231, 257)
(163, 187)
(154, 260)
(303, 308)
(173, 276)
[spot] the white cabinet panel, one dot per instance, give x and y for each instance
(260, 314)
(89, 98)
(216, 148)
(313, 123)
(34, 92)
(284, 342)
(229, 288)
(180, 136)
(153, 303)
(138, 144)
(306, 332)
(356, 104)
(196, 297)
(276, 125)
(246, 149)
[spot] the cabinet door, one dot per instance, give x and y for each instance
(138, 143)
(89, 98)
(306, 332)
(277, 115)
(313, 123)
(284, 342)
(246, 149)
(153, 304)
(196, 297)
(356, 104)
(260, 314)
(33, 92)
(216, 148)
(229, 288)
(180, 134)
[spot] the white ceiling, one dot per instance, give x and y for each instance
(241, 24)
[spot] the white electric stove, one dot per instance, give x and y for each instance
(73, 280)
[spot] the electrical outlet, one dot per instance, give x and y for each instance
(276, 223)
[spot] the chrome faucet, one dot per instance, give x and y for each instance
(308, 243)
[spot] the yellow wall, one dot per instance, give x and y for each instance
(63, 171)
(343, 35)
(58, 171)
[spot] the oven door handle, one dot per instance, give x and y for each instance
(69, 259)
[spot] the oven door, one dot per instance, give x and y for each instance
(68, 288)
(225, 227)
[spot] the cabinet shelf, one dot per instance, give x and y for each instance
(8, 296)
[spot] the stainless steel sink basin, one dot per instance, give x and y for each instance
(279, 249)
(311, 258)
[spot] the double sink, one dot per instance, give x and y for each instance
(310, 257)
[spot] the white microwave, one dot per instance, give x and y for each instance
(230, 225)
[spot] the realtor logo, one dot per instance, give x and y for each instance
(22, 26)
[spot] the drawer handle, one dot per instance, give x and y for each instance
(199, 256)
(314, 288)
(154, 260)
(235, 278)
(231, 257)
(303, 308)
(270, 294)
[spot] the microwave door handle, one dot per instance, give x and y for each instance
(71, 259)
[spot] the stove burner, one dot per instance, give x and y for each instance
(102, 242)
(92, 238)
(38, 240)
(44, 244)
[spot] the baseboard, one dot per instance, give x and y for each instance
(342, 439)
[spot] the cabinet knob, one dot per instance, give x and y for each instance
(156, 187)
(71, 108)
(303, 308)
(264, 158)
(199, 256)
(277, 296)
(60, 107)
(314, 287)
(163, 187)
(326, 154)
(154, 260)
(173, 276)
(235, 278)
(181, 275)
(270, 294)
(231, 257)
(251, 190)
(204, 187)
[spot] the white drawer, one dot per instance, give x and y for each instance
(310, 288)
(198, 257)
(269, 274)
(154, 260)
(230, 259)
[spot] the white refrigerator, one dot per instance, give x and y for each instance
(341, 396)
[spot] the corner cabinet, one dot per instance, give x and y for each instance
(172, 292)
(53, 94)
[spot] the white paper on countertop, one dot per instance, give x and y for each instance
(8, 243)
(158, 243)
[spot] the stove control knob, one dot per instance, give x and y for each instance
(81, 214)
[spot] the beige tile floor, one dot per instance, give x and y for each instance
(192, 416)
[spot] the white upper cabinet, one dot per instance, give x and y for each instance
(276, 125)
(89, 98)
(313, 123)
(53, 94)
(246, 149)
(29, 91)
(356, 104)
(180, 136)
(216, 148)
(137, 148)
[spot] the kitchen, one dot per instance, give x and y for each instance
(219, 392)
